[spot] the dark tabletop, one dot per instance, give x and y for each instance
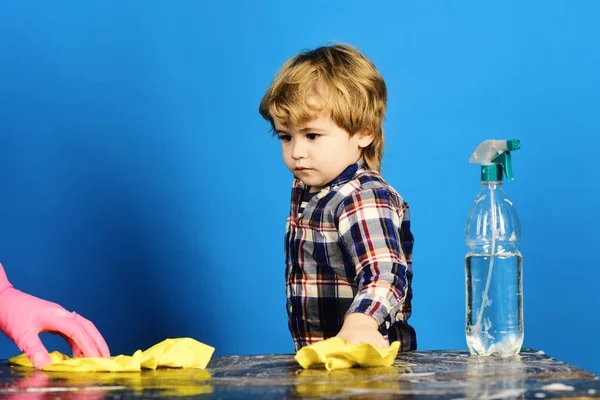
(419, 374)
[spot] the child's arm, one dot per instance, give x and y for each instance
(369, 224)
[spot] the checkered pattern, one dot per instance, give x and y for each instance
(349, 250)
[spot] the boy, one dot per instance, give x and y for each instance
(348, 243)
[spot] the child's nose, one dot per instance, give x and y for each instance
(298, 150)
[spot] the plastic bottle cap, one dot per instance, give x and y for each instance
(491, 172)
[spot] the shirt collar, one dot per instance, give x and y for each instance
(348, 174)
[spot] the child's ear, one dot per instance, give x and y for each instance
(365, 138)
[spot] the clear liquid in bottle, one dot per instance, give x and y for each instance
(494, 316)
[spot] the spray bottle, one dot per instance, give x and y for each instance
(494, 295)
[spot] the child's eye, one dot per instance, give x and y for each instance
(312, 136)
(285, 138)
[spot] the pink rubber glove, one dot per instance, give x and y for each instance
(23, 317)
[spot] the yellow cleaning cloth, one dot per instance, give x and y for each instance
(174, 353)
(336, 354)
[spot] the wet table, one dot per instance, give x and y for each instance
(419, 374)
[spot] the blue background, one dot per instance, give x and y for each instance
(141, 187)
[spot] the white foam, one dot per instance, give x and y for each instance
(417, 374)
(557, 387)
(500, 395)
(504, 394)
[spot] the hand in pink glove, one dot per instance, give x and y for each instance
(23, 317)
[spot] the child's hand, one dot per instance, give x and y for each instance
(360, 328)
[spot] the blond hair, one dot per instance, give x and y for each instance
(346, 82)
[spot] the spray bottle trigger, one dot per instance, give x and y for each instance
(505, 160)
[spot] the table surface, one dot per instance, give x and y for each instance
(418, 374)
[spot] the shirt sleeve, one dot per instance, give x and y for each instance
(370, 224)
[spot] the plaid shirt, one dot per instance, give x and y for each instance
(349, 251)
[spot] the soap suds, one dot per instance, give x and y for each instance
(558, 386)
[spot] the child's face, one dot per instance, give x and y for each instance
(319, 151)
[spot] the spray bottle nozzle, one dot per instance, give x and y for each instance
(513, 144)
(494, 157)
